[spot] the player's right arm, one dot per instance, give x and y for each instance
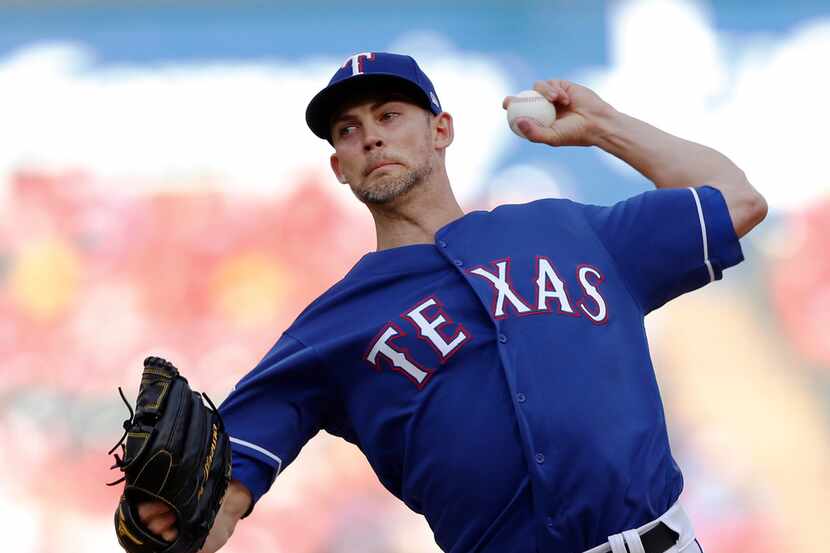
(672, 162)
(585, 119)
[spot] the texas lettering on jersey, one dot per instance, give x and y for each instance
(430, 319)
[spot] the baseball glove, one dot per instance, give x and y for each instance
(176, 452)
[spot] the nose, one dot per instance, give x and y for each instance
(371, 138)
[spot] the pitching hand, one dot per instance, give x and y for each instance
(579, 111)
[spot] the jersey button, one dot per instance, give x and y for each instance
(540, 458)
(520, 397)
(502, 338)
(442, 243)
(458, 263)
(549, 522)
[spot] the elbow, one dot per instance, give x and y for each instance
(752, 210)
(238, 500)
(756, 205)
(759, 208)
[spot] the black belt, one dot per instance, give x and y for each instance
(659, 539)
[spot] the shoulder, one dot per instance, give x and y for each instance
(327, 308)
(317, 308)
(558, 211)
(541, 205)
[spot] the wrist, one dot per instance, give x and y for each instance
(607, 129)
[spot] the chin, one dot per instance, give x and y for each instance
(381, 193)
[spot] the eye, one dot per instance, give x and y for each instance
(345, 130)
(390, 114)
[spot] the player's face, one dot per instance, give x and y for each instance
(383, 147)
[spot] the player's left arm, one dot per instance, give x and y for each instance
(584, 119)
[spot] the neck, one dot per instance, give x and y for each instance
(415, 217)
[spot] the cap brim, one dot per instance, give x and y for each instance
(322, 107)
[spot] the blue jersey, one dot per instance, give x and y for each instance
(499, 380)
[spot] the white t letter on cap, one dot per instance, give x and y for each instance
(355, 61)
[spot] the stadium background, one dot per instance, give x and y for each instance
(159, 192)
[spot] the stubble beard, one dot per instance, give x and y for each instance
(387, 188)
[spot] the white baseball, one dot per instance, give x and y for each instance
(531, 104)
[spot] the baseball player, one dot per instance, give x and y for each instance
(492, 366)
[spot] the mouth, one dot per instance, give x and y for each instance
(376, 166)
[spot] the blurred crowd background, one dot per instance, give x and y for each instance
(160, 193)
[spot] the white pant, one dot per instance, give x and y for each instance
(675, 518)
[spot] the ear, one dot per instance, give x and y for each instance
(442, 130)
(335, 167)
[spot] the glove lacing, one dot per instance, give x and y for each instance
(128, 425)
(215, 411)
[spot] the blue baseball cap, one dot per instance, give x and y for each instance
(365, 71)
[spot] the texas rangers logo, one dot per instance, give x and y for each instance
(358, 62)
(434, 325)
(429, 327)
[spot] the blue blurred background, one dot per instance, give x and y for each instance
(159, 192)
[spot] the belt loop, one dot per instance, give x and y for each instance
(632, 538)
(617, 544)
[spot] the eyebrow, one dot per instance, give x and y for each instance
(392, 98)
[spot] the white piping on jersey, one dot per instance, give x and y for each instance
(705, 240)
(259, 449)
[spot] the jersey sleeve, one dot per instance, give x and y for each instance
(272, 412)
(668, 242)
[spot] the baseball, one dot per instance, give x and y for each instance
(531, 104)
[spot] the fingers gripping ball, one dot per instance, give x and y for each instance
(176, 453)
(532, 105)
